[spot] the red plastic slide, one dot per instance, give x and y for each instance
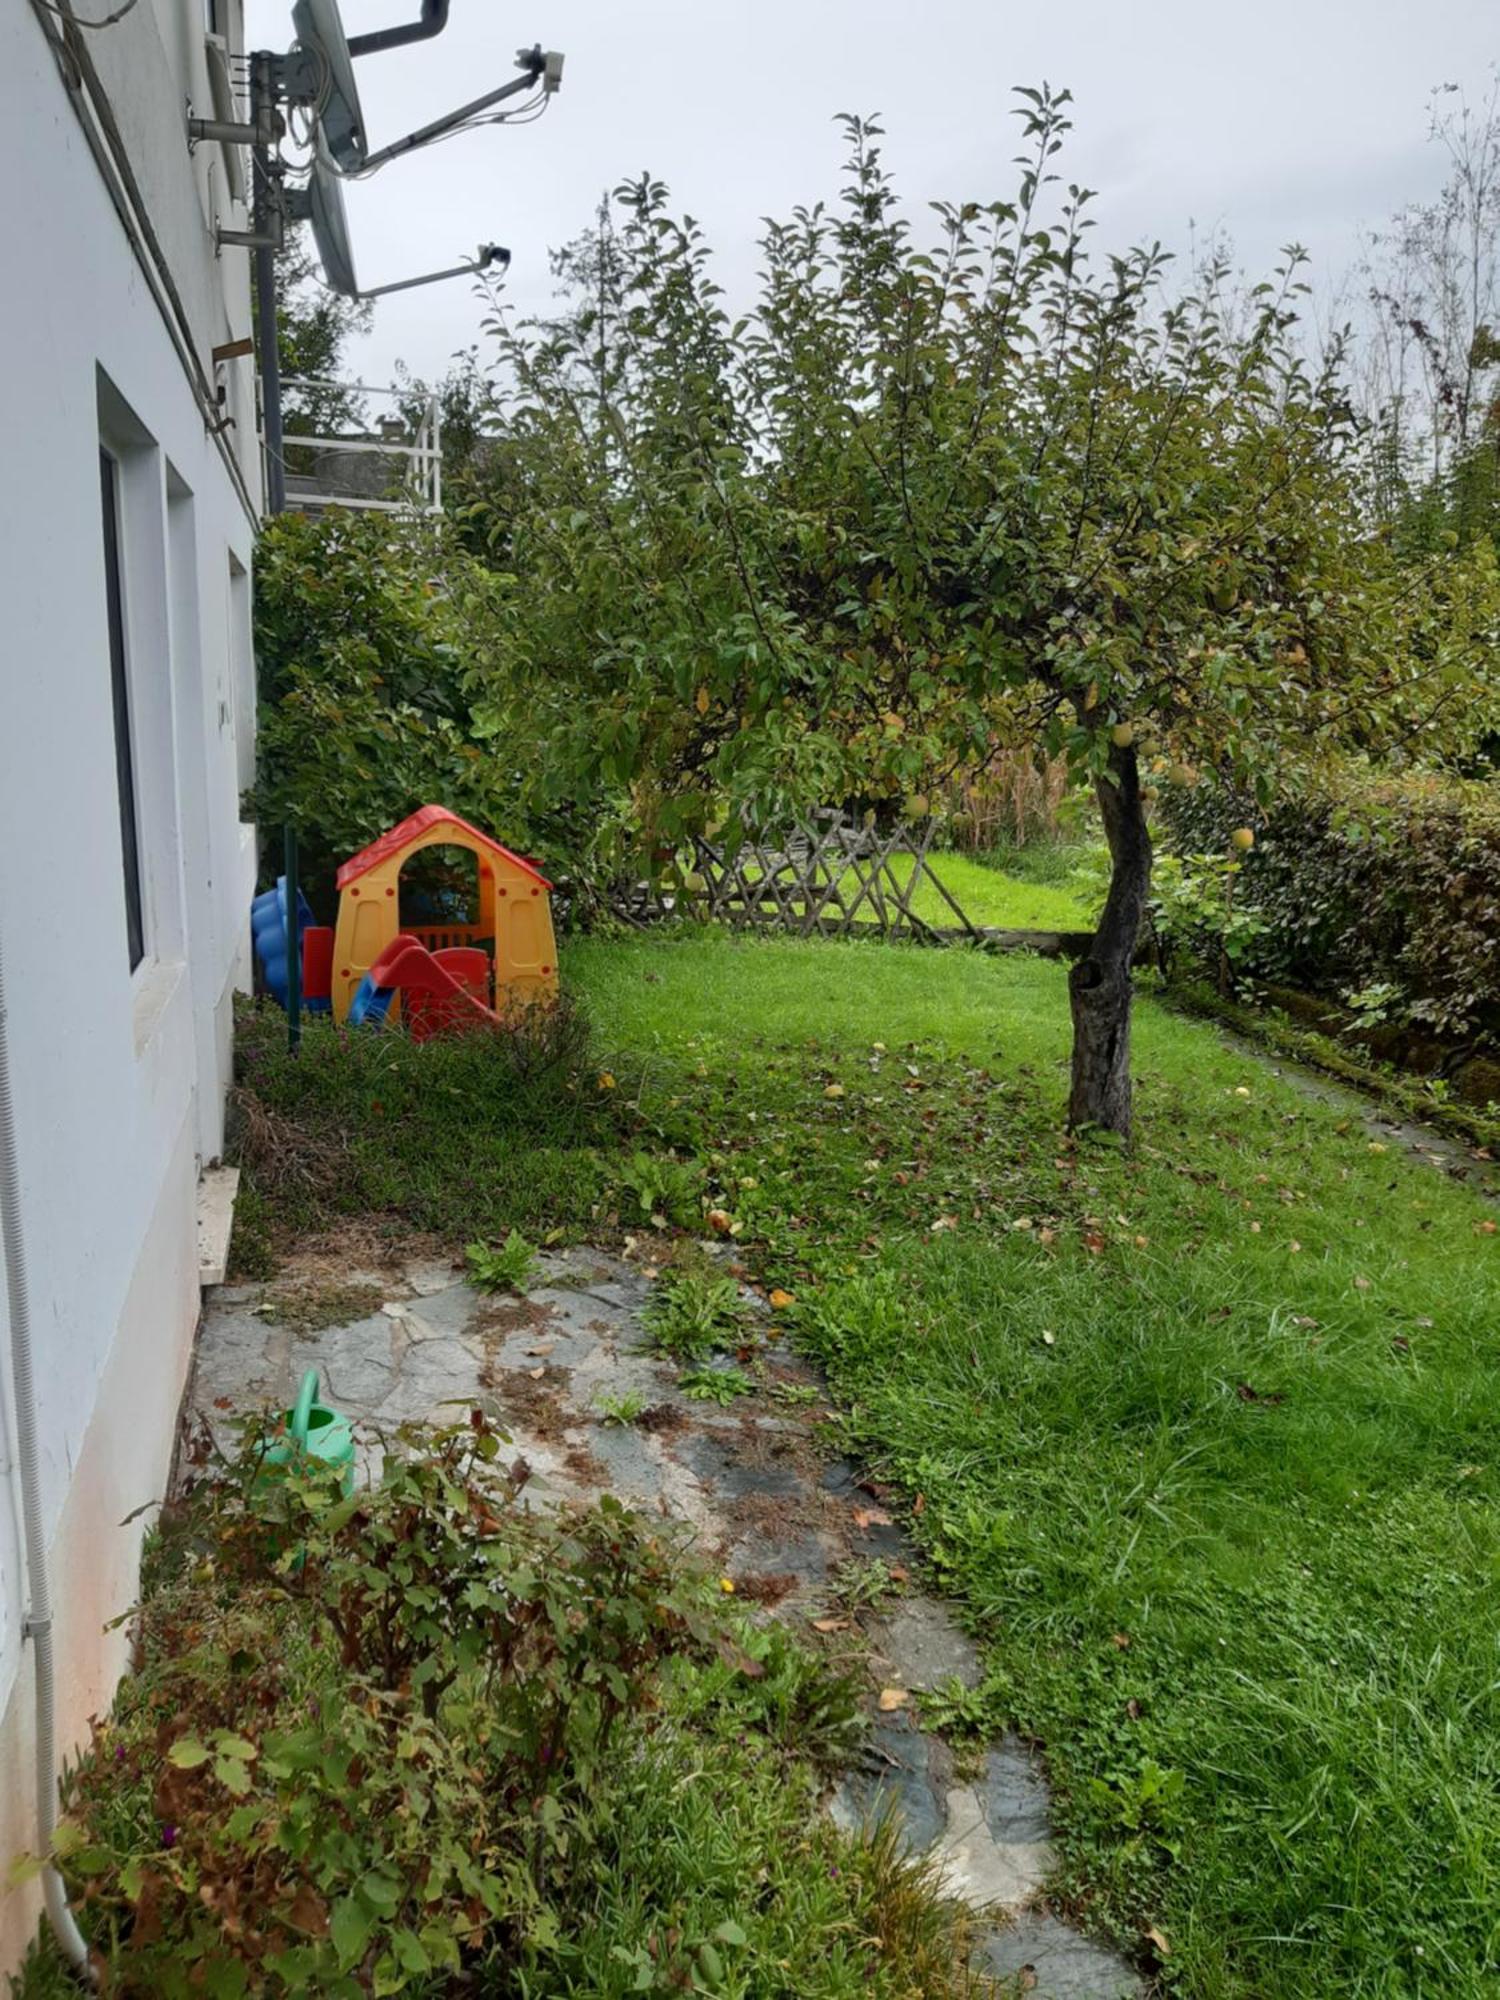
(440, 991)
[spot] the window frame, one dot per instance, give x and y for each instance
(131, 855)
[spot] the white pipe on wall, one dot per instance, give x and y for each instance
(38, 1626)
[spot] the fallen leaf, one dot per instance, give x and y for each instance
(1361, 1284)
(1046, 1236)
(1049, 1336)
(1158, 1938)
(536, 1374)
(542, 1347)
(309, 1913)
(1093, 1242)
(834, 1090)
(1294, 1245)
(830, 1624)
(780, 1300)
(1141, 1242)
(919, 1505)
(1486, 1228)
(1120, 1639)
(893, 1698)
(1023, 1222)
(720, 1221)
(606, 1081)
(1133, 1709)
(898, 1572)
(1401, 1344)
(871, 1517)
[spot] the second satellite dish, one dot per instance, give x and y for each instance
(330, 227)
(319, 29)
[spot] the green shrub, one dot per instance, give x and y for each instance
(1370, 883)
(1194, 914)
(375, 640)
(425, 1740)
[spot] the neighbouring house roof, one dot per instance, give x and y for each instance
(412, 828)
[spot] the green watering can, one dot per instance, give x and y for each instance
(318, 1431)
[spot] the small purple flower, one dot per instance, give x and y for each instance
(833, 1874)
(119, 1753)
(169, 1836)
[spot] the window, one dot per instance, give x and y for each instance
(130, 842)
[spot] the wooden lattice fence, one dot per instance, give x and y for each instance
(825, 875)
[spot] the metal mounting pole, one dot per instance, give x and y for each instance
(266, 229)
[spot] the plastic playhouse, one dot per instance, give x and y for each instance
(438, 961)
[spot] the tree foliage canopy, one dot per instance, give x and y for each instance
(928, 496)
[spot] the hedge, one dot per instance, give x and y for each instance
(1371, 882)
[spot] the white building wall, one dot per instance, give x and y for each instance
(119, 1076)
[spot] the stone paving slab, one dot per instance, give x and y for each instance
(755, 1491)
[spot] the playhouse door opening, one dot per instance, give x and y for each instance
(440, 900)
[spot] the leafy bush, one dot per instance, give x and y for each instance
(1370, 883)
(374, 640)
(1193, 912)
(419, 1740)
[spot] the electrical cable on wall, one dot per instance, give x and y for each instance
(65, 13)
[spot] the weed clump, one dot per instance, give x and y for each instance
(423, 1739)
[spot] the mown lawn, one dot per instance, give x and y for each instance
(1201, 1438)
(1000, 899)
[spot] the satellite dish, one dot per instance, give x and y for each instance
(330, 225)
(321, 203)
(319, 29)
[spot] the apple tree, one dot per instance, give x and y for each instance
(930, 497)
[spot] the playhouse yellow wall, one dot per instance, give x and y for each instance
(513, 909)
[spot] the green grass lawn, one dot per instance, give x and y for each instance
(1202, 1438)
(1002, 900)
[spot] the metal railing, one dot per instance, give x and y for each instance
(346, 471)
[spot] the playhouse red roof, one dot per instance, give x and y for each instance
(416, 824)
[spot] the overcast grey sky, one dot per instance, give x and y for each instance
(1272, 120)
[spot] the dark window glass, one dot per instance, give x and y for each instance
(130, 845)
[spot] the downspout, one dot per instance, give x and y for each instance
(38, 1625)
(433, 21)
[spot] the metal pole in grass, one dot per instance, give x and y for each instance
(294, 942)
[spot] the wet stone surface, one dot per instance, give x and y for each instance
(567, 1372)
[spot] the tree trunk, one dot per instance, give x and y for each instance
(1099, 986)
